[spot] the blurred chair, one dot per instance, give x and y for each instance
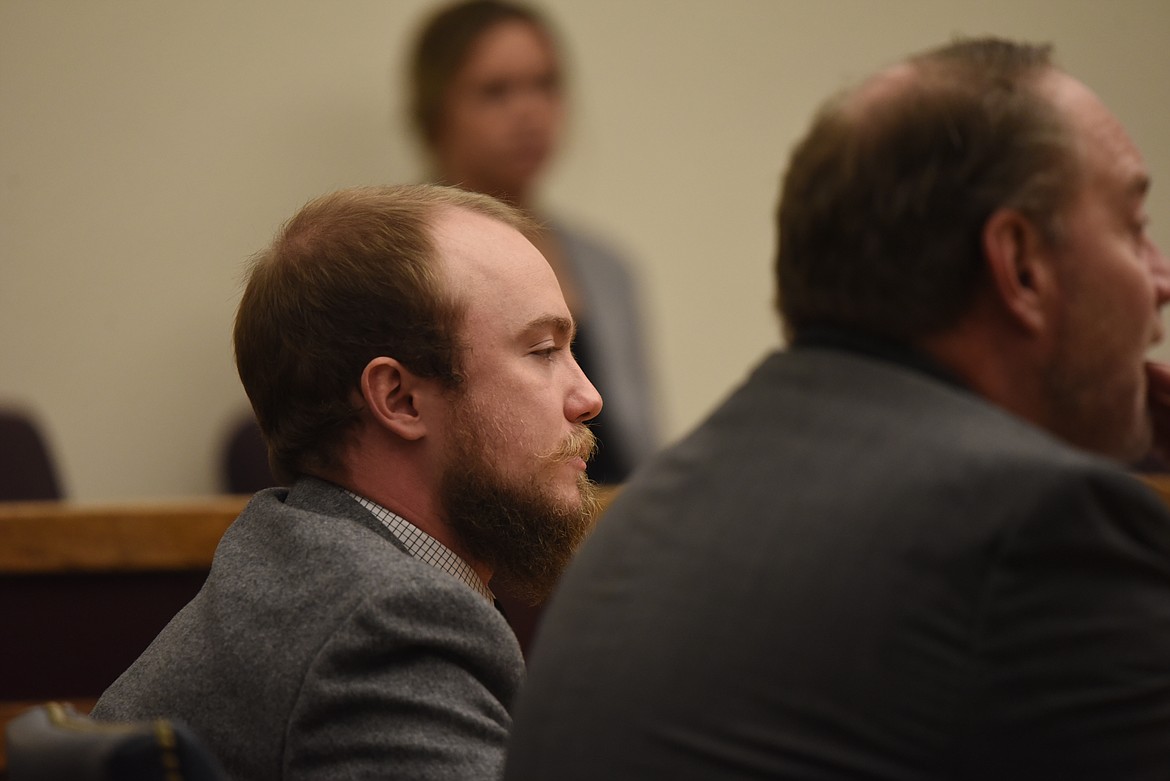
(245, 459)
(53, 742)
(27, 472)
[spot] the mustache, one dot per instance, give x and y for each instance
(580, 443)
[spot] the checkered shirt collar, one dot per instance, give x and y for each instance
(426, 548)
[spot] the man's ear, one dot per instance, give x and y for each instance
(390, 392)
(1019, 262)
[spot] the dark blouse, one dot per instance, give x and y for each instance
(608, 467)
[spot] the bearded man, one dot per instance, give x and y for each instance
(407, 354)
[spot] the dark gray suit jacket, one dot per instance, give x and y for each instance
(853, 570)
(319, 648)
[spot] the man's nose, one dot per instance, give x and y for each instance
(584, 402)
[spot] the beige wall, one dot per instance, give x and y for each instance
(147, 149)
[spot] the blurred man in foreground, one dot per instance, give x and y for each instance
(906, 547)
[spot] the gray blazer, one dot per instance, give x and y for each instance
(856, 570)
(318, 648)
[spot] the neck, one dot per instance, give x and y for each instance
(403, 484)
(996, 361)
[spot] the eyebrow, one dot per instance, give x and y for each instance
(561, 326)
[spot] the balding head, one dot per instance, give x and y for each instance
(352, 276)
(885, 198)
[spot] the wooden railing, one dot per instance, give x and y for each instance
(44, 537)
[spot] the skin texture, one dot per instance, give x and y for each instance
(521, 386)
(1111, 280)
(1059, 334)
(514, 489)
(521, 374)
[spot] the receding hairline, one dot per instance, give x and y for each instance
(925, 73)
(876, 90)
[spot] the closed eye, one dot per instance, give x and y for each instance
(546, 336)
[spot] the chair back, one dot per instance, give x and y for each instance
(53, 742)
(245, 459)
(27, 472)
